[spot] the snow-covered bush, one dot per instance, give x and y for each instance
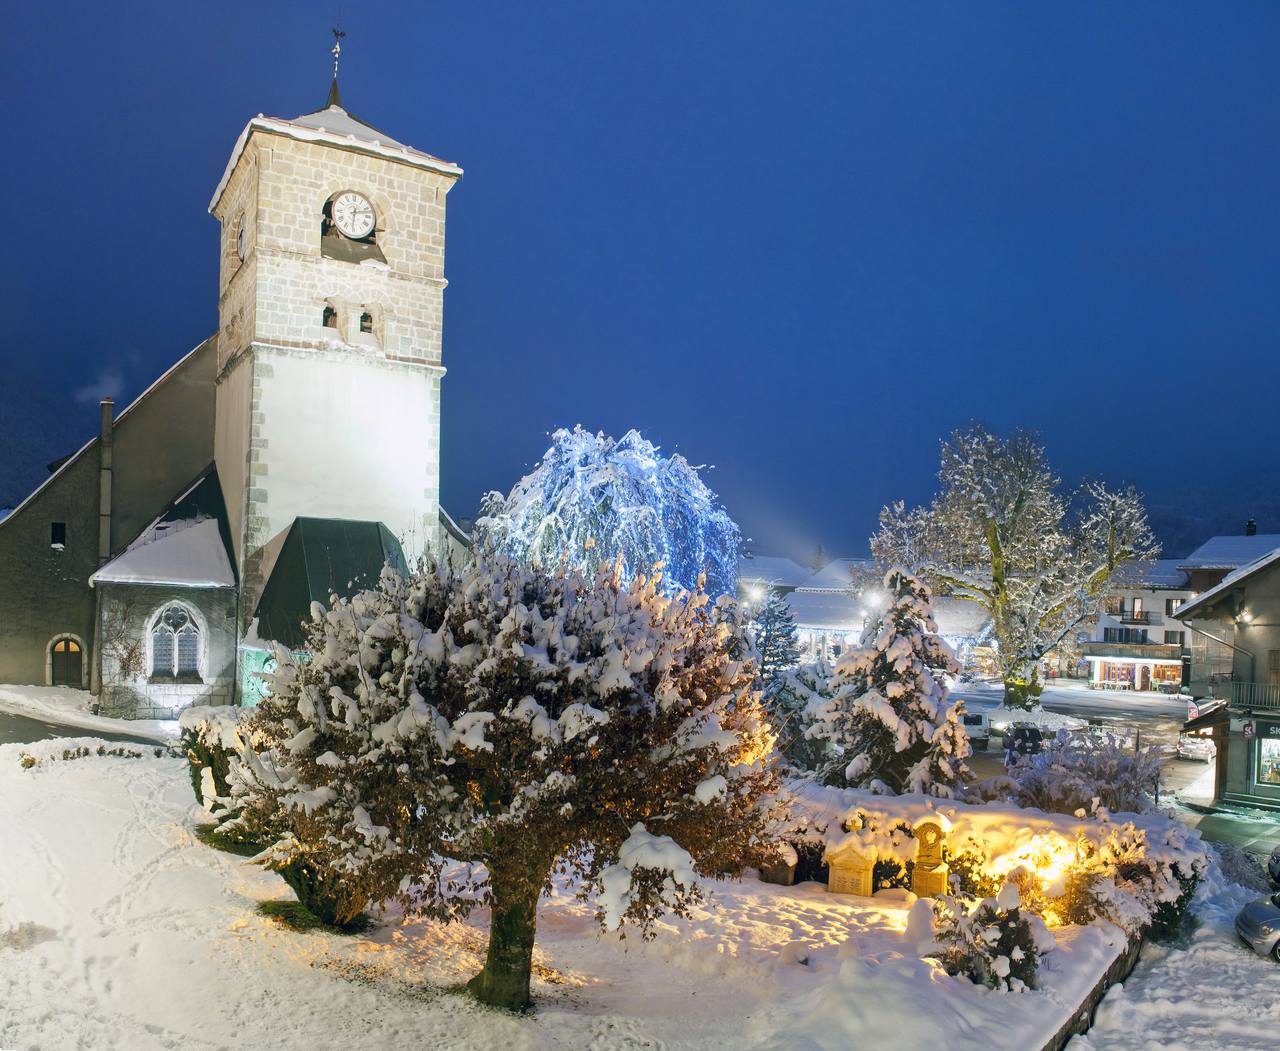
(991, 943)
(792, 708)
(212, 737)
(458, 737)
(593, 500)
(1139, 874)
(889, 718)
(1085, 771)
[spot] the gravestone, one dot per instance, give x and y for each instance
(929, 876)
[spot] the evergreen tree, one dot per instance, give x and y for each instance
(889, 718)
(819, 558)
(777, 648)
(460, 737)
(792, 708)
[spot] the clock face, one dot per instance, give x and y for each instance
(353, 215)
(240, 240)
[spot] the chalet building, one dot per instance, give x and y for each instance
(1136, 644)
(289, 456)
(1242, 612)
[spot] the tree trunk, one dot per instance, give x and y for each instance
(1022, 691)
(504, 982)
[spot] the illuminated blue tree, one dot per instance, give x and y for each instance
(593, 499)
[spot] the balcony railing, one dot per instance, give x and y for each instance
(1253, 694)
(1128, 616)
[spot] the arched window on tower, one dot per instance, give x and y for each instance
(329, 318)
(366, 322)
(175, 645)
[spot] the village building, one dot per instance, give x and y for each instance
(1242, 613)
(1135, 643)
(832, 605)
(289, 456)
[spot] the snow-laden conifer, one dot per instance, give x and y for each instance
(890, 717)
(777, 647)
(522, 723)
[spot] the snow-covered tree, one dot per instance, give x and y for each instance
(890, 717)
(793, 707)
(1001, 533)
(592, 499)
(777, 648)
(463, 736)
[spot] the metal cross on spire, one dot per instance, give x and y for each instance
(334, 98)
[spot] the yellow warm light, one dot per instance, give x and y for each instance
(1047, 856)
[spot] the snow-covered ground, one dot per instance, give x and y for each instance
(1212, 994)
(119, 930)
(68, 707)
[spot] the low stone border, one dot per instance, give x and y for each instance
(1121, 967)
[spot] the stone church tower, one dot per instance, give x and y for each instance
(328, 369)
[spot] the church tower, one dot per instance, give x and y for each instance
(331, 291)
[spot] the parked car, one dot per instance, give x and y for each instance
(1258, 925)
(1022, 739)
(1193, 746)
(1273, 866)
(978, 727)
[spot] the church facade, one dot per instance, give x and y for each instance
(290, 456)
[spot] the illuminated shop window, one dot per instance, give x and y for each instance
(1269, 761)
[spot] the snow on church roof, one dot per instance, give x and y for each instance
(335, 126)
(186, 545)
(190, 553)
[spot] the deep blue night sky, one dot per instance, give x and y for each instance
(798, 242)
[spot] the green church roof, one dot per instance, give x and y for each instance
(322, 557)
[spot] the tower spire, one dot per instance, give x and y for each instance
(334, 98)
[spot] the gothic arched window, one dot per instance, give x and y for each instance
(175, 645)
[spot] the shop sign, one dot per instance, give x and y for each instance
(1248, 728)
(1269, 729)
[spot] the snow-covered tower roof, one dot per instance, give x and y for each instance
(334, 126)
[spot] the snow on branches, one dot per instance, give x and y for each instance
(1001, 533)
(593, 499)
(890, 718)
(521, 722)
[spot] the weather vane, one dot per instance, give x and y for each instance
(338, 34)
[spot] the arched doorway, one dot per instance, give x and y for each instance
(66, 667)
(1144, 677)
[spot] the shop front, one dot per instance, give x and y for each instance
(1134, 667)
(1248, 754)
(1259, 780)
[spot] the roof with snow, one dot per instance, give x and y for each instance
(1230, 552)
(838, 573)
(189, 545)
(1206, 600)
(825, 610)
(334, 126)
(770, 569)
(959, 618)
(1151, 573)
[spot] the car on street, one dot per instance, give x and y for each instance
(1258, 925)
(1021, 739)
(1193, 746)
(978, 727)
